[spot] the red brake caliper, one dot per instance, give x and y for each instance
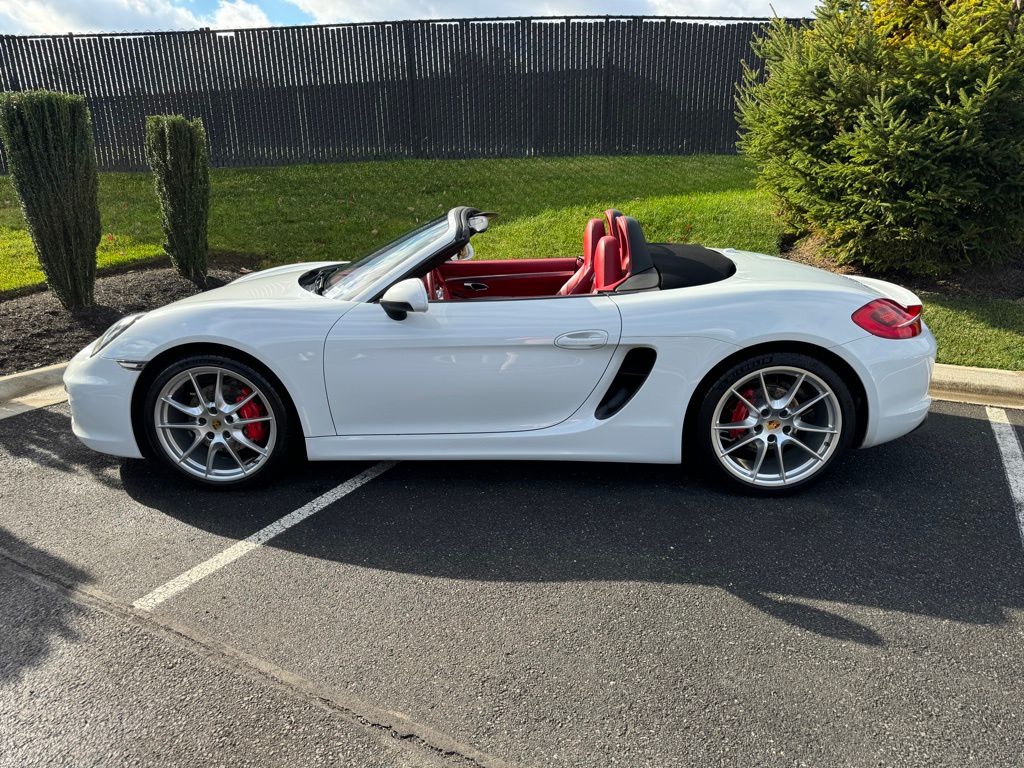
(740, 412)
(251, 410)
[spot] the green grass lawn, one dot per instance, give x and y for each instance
(306, 213)
(989, 334)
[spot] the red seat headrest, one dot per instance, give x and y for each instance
(608, 271)
(594, 232)
(622, 236)
(610, 216)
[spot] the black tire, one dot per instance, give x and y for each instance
(778, 434)
(281, 440)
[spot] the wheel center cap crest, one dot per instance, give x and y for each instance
(216, 424)
(773, 425)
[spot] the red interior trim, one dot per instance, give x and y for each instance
(505, 267)
(507, 278)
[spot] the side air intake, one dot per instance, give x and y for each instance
(636, 367)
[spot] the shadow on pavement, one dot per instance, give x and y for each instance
(44, 437)
(922, 525)
(31, 616)
(40, 457)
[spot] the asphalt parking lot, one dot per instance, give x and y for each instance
(529, 614)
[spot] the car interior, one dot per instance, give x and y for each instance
(616, 258)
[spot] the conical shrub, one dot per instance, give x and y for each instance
(48, 141)
(176, 151)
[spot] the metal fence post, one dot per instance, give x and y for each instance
(412, 119)
(606, 91)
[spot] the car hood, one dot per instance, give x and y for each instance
(262, 303)
(275, 284)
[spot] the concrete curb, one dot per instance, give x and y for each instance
(986, 386)
(19, 384)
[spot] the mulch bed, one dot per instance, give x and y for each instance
(1005, 282)
(35, 330)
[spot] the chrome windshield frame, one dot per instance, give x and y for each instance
(411, 264)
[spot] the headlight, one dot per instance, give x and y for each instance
(113, 332)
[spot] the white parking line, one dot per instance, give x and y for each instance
(1013, 459)
(262, 536)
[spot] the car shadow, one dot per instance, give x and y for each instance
(922, 525)
(43, 436)
(32, 616)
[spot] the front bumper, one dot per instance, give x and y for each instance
(100, 395)
(896, 374)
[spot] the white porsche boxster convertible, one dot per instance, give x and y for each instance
(764, 369)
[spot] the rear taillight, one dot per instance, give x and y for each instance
(886, 318)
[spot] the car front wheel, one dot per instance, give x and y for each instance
(776, 422)
(216, 420)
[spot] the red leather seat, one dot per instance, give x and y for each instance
(622, 236)
(611, 216)
(582, 280)
(593, 232)
(608, 271)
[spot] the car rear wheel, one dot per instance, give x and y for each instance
(776, 422)
(216, 420)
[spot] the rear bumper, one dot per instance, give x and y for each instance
(896, 374)
(100, 395)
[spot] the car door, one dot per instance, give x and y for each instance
(468, 366)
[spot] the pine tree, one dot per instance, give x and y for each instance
(895, 129)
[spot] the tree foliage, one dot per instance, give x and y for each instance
(47, 138)
(895, 128)
(176, 151)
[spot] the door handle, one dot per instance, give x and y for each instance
(582, 340)
(475, 286)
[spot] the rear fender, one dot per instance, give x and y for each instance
(899, 294)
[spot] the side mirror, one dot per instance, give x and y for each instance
(404, 297)
(466, 254)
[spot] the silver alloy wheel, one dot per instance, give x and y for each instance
(776, 426)
(215, 424)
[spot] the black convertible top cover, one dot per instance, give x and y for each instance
(686, 266)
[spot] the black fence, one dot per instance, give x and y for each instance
(464, 88)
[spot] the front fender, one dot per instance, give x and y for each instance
(287, 337)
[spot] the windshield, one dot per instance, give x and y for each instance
(352, 279)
